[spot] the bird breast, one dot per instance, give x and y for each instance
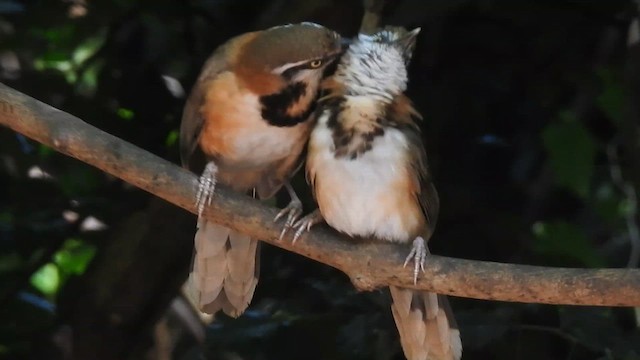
(236, 134)
(369, 195)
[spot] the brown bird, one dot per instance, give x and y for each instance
(367, 166)
(248, 119)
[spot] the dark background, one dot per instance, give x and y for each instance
(530, 108)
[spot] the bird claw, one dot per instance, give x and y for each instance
(293, 212)
(301, 226)
(206, 187)
(418, 255)
(304, 225)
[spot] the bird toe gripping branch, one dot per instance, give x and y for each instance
(206, 187)
(306, 223)
(418, 255)
(292, 212)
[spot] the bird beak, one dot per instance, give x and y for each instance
(408, 44)
(344, 43)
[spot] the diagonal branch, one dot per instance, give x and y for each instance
(369, 265)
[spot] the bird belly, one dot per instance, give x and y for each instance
(368, 195)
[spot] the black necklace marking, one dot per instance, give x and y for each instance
(348, 142)
(275, 106)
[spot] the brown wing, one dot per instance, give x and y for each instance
(192, 119)
(405, 116)
(191, 125)
(426, 192)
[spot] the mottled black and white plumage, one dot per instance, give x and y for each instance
(368, 169)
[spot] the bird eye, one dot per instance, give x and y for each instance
(315, 64)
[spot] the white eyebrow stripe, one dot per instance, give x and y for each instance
(280, 69)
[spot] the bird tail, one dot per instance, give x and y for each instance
(428, 330)
(225, 270)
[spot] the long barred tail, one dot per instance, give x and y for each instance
(427, 328)
(225, 270)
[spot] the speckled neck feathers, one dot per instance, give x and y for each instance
(373, 66)
(365, 95)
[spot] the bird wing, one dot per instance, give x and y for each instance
(406, 117)
(424, 189)
(192, 118)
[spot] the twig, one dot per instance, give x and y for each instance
(369, 265)
(372, 15)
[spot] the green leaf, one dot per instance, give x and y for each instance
(126, 114)
(54, 56)
(47, 279)
(172, 138)
(54, 60)
(88, 47)
(562, 239)
(88, 82)
(74, 256)
(571, 151)
(57, 35)
(612, 99)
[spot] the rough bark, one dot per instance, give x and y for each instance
(369, 265)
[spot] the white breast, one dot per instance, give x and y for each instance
(363, 196)
(259, 143)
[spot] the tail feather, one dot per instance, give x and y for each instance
(209, 280)
(242, 279)
(210, 238)
(431, 303)
(426, 325)
(224, 274)
(209, 261)
(221, 302)
(240, 268)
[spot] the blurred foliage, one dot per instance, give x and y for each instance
(567, 242)
(71, 259)
(571, 153)
(521, 100)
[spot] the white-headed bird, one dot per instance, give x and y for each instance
(367, 166)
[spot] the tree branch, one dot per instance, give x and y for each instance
(372, 14)
(369, 265)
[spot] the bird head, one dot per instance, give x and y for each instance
(376, 64)
(295, 53)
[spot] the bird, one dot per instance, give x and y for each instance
(367, 167)
(245, 125)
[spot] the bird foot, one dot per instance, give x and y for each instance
(206, 187)
(418, 255)
(292, 212)
(303, 225)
